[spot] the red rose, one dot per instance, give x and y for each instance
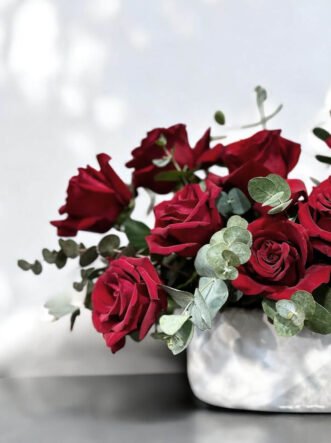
(186, 222)
(95, 199)
(280, 261)
(176, 141)
(127, 298)
(266, 148)
(315, 216)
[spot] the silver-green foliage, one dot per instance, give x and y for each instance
(290, 316)
(227, 249)
(271, 190)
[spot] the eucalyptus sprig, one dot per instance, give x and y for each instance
(271, 190)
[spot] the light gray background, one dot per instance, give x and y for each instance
(80, 77)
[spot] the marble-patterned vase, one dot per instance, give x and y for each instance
(242, 364)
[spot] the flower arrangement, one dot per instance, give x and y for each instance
(251, 238)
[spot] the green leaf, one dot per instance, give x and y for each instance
(69, 247)
(281, 185)
(227, 273)
(290, 311)
(324, 159)
(162, 162)
(279, 208)
(285, 328)
(49, 256)
(269, 308)
(170, 324)
(230, 258)
(73, 318)
(201, 263)
(161, 141)
(242, 251)
(261, 95)
(88, 256)
(238, 201)
(60, 306)
(223, 205)
(136, 232)
(61, 260)
(322, 295)
(306, 302)
(215, 292)
(169, 176)
(219, 117)
(236, 234)
(320, 322)
(23, 264)
(274, 200)
(108, 244)
(37, 268)
(179, 342)
(321, 133)
(200, 312)
(261, 189)
(235, 220)
(182, 298)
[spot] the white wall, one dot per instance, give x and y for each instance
(82, 76)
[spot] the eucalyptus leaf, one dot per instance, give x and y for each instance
(161, 141)
(61, 260)
(69, 247)
(286, 308)
(242, 251)
(170, 324)
(200, 312)
(236, 220)
(279, 208)
(219, 117)
(269, 308)
(201, 263)
(223, 205)
(227, 273)
(321, 320)
(236, 234)
(230, 258)
(324, 159)
(49, 256)
(284, 327)
(321, 133)
(24, 265)
(215, 292)
(88, 256)
(281, 185)
(182, 298)
(218, 237)
(179, 342)
(162, 162)
(274, 200)
(306, 301)
(37, 268)
(261, 189)
(238, 201)
(108, 244)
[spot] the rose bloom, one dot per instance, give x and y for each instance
(315, 216)
(281, 261)
(186, 222)
(145, 172)
(95, 199)
(266, 148)
(127, 299)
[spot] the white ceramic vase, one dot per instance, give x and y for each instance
(242, 364)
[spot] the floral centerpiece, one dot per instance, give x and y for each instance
(250, 238)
